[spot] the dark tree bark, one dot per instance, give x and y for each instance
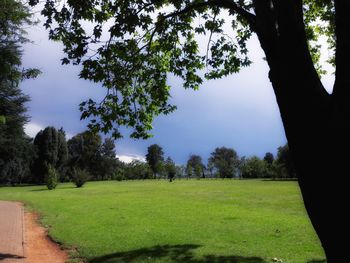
(314, 121)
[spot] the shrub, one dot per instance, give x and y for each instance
(118, 175)
(80, 177)
(51, 177)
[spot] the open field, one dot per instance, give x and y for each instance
(248, 221)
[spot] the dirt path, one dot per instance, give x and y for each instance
(23, 240)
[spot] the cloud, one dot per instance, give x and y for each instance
(31, 129)
(129, 158)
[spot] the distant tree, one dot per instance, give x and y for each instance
(137, 170)
(195, 165)
(170, 168)
(189, 171)
(254, 167)
(180, 171)
(269, 158)
(210, 168)
(15, 147)
(225, 161)
(107, 160)
(270, 166)
(51, 149)
(84, 153)
(154, 158)
(284, 163)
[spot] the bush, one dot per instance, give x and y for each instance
(80, 177)
(118, 175)
(51, 177)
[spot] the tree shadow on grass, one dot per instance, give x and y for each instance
(280, 180)
(56, 189)
(9, 256)
(171, 253)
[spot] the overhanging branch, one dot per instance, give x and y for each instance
(228, 4)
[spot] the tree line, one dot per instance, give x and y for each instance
(49, 158)
(222, 163)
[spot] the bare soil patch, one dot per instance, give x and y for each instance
(39, 248)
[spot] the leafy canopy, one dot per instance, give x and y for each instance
(131, 47)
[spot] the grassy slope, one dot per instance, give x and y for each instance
(187, 220)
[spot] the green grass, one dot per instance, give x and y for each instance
(248, 221)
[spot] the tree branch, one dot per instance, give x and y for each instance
(228, 4)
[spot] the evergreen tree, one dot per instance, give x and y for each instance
(51, 149)
(154, 158)
(85, 153)
(15, 147)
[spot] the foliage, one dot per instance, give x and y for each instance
(254, 167)
(225, 161)
(284, 163)
(80, 177)
(170, 168)
(269, 158)
(51, 177)
(51, 149)
(195, 166)
(154, 158)
(134, 55)
(84, 152)
(119, 174)
(16, 151)
(220, 218)
(137, 170)
(107, 161)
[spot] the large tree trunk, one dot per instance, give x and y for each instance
(314, 121)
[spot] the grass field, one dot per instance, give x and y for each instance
(248, 221)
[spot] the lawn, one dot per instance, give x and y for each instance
(243, 221)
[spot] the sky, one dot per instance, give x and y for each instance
(238, 111)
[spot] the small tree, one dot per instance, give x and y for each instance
(170, 168)
(51, 177)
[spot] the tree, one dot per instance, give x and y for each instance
(150, 39)
(51, 150)
(284, 163)
(268, 158)
(195, 165)
(84, 153)
(15, 147)
(62, 152)
(170, 168)
(270, 165)
(137, 170)
(108, 162)
(253, 167)
(225, 161)
(51, 177)
(154, 158)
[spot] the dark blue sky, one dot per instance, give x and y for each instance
(239, 111)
